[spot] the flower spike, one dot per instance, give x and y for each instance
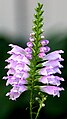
(34, 68)
(22, 67)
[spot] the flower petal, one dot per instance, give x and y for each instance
(51, 90)
(54, 55)
(51, 79)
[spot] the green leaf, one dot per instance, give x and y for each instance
(40, 5)
(40, 25)
(35, 15)
(40, 19)
(41, 12)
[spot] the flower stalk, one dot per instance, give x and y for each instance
(37, 30)
(33, 68)
(41, 104)
(31, 101)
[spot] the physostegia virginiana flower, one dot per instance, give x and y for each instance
(33, 68)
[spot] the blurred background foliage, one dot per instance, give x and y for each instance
(55, 107)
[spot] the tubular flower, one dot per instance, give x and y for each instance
(34, 68)
(51, 66)
(18, 71)
(19, 67)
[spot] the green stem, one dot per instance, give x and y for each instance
(31, 101)
(37, 29)
(40, 106)
(38, 111)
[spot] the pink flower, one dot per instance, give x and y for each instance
(50, 67)
(16, 91)
(19, 67)
(44, 42)
(44, 49)
(51, 90)
(41, 54)
(29, 44)
(51, 79)
(17, 71)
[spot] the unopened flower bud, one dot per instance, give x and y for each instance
(28, 50)
(29, 44)
(36, 98)
(29, 56)
(43, 105)
(41, 55)
(42, 37)
(32, 34)
(44, 42)
(31, 39)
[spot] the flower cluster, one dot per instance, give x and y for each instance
(18, 70)
(51, 66)
(19, 63)
(34, 65)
